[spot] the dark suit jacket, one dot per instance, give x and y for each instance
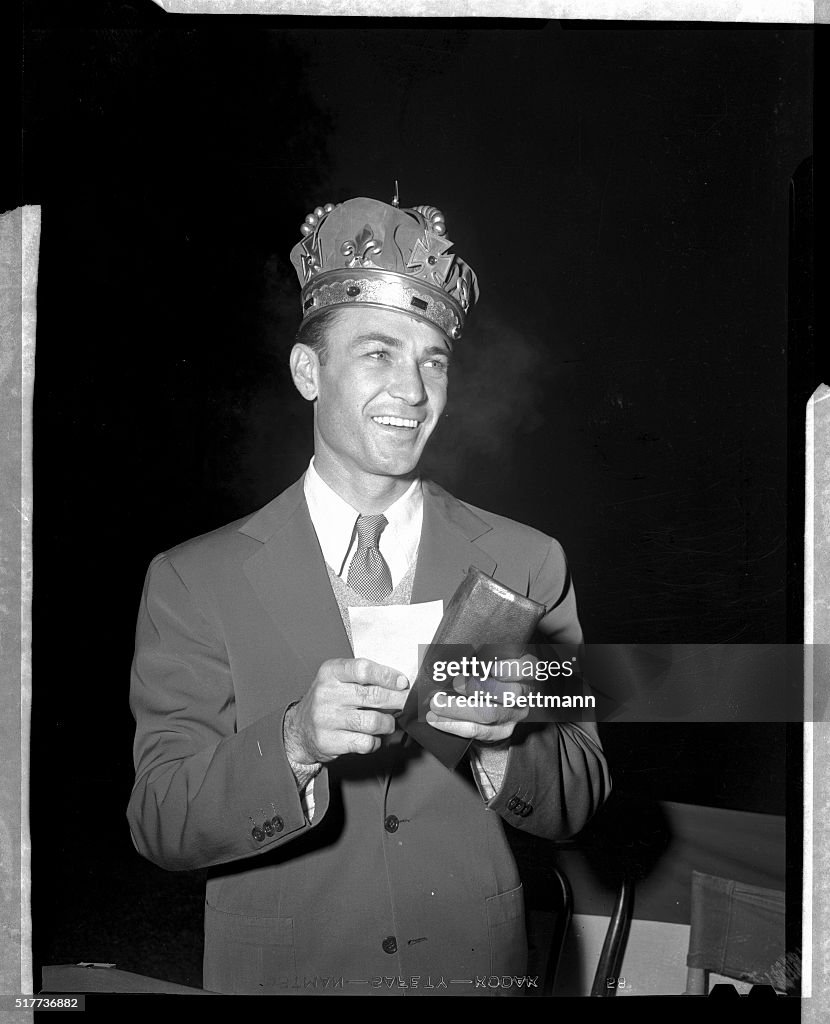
(233, 627)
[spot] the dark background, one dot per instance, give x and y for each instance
(632, 381)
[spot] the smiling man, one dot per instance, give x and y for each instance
(337, 847)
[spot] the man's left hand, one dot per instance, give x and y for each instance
(491, 721)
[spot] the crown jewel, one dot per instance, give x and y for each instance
(365, 251)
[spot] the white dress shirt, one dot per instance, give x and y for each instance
(334, 521)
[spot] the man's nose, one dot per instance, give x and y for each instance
(408, 384)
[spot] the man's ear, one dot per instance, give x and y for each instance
(305, 366)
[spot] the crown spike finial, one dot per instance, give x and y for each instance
(396, 202)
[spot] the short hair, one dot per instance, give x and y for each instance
(314, 332)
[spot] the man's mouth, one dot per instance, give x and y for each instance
(395, 421)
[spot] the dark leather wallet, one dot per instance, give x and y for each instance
(481, 612)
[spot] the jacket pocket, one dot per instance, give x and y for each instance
(506, 928)
(250, 955)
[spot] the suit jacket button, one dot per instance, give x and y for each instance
(520, 806)
(267, 827)
(389, 944)
(258, 834)
(527, 809)
(391, 823)
(278, 823)
(512, 803)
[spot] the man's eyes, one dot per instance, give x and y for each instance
(383, 355)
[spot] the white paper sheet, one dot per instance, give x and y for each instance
(390, 634)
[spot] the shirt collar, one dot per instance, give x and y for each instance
(334, 518)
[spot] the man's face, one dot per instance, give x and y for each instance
(380, 392)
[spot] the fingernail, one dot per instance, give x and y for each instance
(403, 682)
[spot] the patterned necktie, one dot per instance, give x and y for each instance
(369, 573)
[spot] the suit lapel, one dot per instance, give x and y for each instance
(445, 553)
(447, 548)
(289, 576)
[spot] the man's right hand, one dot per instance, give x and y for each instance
(348, 707)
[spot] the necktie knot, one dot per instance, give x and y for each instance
(369, 529)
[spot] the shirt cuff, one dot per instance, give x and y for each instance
(305, 775)
(489, 765)
(307, 801)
